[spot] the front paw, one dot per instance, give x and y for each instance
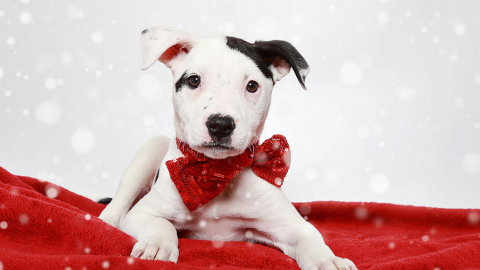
(155, 249)
(331, 263)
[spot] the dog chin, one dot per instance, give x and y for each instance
(218, 151)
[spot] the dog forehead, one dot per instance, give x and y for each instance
(214, 54)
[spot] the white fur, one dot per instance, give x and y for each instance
(249, 208)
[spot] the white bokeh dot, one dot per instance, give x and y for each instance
(148, 120)
(48, 112)
(97, 37)
(56, 160)
(383, 17)
(379, 183)
(297, 18)
(477, 77)
(10, 41)
(83, 141)
(459, 103)
(405, 93)
(331, 179)
(363, 132)
(74, 12)
(3, 225)
(25, 17)
(50, 83)
(351, 74)
(471, 163)
(148, 85)
(459, 29)
(52, 192)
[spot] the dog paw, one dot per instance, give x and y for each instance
(332, 263)
(155, 250)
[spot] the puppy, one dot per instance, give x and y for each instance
(221, 97)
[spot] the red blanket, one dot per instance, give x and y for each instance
(63, 232)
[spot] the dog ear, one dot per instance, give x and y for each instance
(280, 56)
(163, 44)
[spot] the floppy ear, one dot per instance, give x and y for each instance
(280, 55)
(163, 44)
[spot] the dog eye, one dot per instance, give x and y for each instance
(252, 86)
(194, 81)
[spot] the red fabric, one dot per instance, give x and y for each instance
(64, 233)
(199, 179)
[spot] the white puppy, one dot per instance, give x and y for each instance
(221, 97)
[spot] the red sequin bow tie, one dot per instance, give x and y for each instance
(199, 179)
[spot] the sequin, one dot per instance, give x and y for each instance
(198, 186)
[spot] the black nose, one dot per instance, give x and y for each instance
(220, 126)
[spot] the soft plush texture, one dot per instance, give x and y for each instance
(39, 232)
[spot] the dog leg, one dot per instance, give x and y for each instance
(136, 180)
(296, 237)
(157, 237)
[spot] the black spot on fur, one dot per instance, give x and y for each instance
(250, 51)
(205, 107)
(105, 200)
(156, 176)
(144, 31)
(181, 82)
(263, 54)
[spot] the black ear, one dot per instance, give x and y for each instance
(282, 55)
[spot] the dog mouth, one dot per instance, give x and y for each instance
(217, 146)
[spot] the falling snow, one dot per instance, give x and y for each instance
(83, 141)
(25, 17)
(48, 112)
(97, 37)
(379, 183)
(387, 93)
(3, 225)
(351, 74)
(10, 41)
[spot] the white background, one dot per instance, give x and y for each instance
(392, 113)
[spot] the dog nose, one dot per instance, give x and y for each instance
(220, 126)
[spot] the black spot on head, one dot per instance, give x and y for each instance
(249, 50)
(181, 82)
(263, 54)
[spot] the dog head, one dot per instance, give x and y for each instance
(222, 85)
